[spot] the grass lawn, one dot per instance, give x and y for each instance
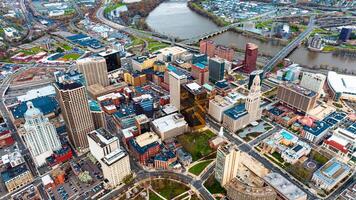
(168, 189)
(137, 41)
(112, 7)
(71, 56)
(299, 172)
(154, 46)
(197, 143)
(66, 47)
(32, 51)
(321, 159)
(213, 186)
(198, 168)
(278, 156)
(153, 196)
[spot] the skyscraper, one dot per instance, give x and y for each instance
(112, 58)
(226, 166)
(175, 80)
(253, 75)
(216, 69)
(75, 110)
(94, 70)
(253, 100)
(40, 135)
(250, 58)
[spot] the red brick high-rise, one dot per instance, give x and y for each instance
(250, 58)
(209, 48)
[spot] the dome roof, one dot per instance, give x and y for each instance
(32, 111)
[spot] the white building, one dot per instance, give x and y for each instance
(342, 86)
(175, 81)
(284, 188)
(35, 93)
(330, 174)
(219, 105)
(313, 82)
(171, 54)
(170, 126)
(40, 135)
(105, 147)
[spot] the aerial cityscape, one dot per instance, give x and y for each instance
(178, 99)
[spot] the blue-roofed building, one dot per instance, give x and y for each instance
(316, 132)
(16, 177)
(164, 159)
(352, 128)
(329, 175)
(334, 118)
(144, 106)
(184, 157)
(86, 41)
(243, 114)
(199, 58)
(48, 105)
(124, 117)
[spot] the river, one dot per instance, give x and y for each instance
(175, 19)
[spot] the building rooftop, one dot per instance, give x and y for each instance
(169, 122)
(35, 93)
(13, 172)
(332, 172)
(334, 118)
(144, 142)
(300, 90)
(94, 106)
(46, 104)
(236, 112)
(69, 85)
(284, 187)
(102, 137)
(114, 156)
(317, 128)
(352, 128)
(342, 83)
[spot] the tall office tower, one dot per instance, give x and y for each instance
(94, 70)
(40, 135)
(313, 82)
(250, 58)
(253, 75)
(175, 81)
(253, 100)
(112, 58)
(226, 166)
(75, 110)
(216, 69)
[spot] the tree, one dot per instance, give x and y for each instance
(85, 177)
(128, 179)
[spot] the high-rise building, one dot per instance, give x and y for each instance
(112, 58)
(200, 72)
(175, 81)
(313, 82)
(94, 70)
(242, 114)
(115, 163)
(251, 54)
(297, 97)
(253, 75)
(209, 48)
(345, 34)
(253, 100)
(40, 135)
(226, 166)
(216, 69)
(98, 115)
(75, 110)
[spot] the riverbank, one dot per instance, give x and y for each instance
(195, 6)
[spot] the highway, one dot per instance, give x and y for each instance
(290, 47)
